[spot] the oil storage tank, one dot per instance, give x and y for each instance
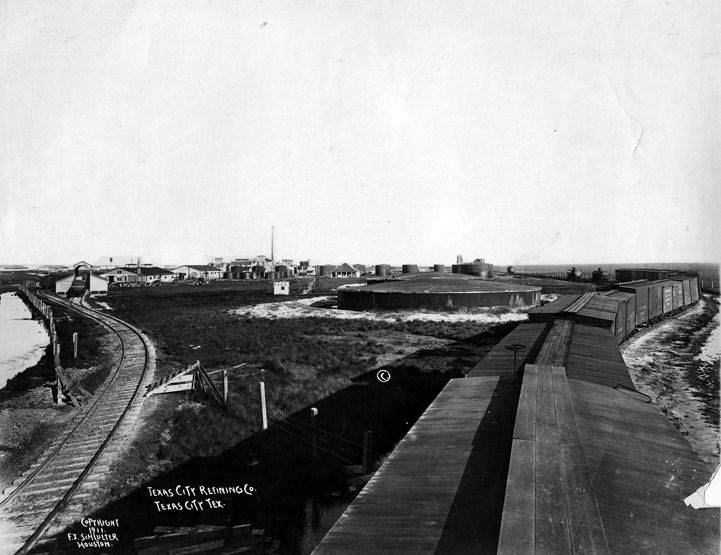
(425, 291)
(326, 270)
(409, 268)
(383, 269)
(439, 268)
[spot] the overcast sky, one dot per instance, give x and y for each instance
(519, 132)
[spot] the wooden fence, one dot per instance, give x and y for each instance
(46, 311)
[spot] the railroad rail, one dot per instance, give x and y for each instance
(51, 493)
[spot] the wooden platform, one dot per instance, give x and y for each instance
(442, 488)
(499, 361)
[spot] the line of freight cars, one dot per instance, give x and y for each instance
(631, 305)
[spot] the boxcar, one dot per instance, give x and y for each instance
(619, 328)
(640, 290)
(601, 311)
(655, 300)
(625, 321)
(667, 305)
(677, 294)
(630, 314)
(694, 289)
(685, 290)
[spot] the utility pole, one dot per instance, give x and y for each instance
(272, 247)
(75, 345)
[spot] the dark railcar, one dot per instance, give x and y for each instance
(625, 315)
(640, 290)
(630, 314)
(625, 274)
(620, 324)
(641, 306)
(655, 300)
(601, 311)
(686, 291)
(694, 289)
(667, 305)
(674, 295)
(552, 310)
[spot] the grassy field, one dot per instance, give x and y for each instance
(326, 363)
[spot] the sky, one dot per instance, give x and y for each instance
(370, 132)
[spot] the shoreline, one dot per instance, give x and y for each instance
(664, 364)
(29, 417)
(18, 381)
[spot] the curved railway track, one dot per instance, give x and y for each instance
(50, 494)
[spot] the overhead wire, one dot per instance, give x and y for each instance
(292, 433)
(327, 432)
(335, 447)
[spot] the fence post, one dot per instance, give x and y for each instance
(75, 345)
(263, 413)
(225, 388)
(59, 389)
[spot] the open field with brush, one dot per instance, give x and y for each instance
(327, 363)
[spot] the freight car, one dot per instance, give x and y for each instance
(574, 458)
(626, 308)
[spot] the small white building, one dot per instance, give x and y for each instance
(120, 275)
(281, 287)
(98, 284)
(151, 274)
(197, 272)
(62, 285)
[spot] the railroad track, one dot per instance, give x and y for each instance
(52, 492)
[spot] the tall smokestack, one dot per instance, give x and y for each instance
(272, 246)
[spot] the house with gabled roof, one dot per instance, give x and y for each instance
(345, 270)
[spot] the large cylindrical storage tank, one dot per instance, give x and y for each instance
(455, 268)
(439, 268)
(259, 271)
(409, 268)
(281, 270)
(383, 269)
(270, 275)
(245, 275)
(471, 269)
(442, 293)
